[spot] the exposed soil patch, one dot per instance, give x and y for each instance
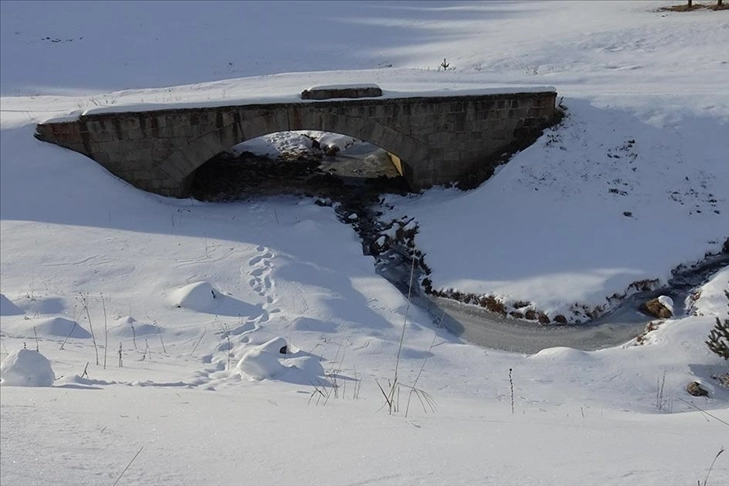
(642, 338)
(696, 6)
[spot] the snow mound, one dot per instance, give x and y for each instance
(307, 368)
(667, 302)
(79, 380)
(278, 345)
(341, 142)
(58, 326)
(198, 296)
(259, 364)
(562, 353)
(276, 357)
(26, 368)
(7, 308)
(275, 144)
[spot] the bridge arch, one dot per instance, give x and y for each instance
(181, 164)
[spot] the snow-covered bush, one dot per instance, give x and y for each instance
(718, 340)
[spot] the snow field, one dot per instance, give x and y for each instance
(203, 297)
(582, 214)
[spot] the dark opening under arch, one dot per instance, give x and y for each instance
(308, 162)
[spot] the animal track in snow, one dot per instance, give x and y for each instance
(243, 328)
(259, 268)
(234, 342)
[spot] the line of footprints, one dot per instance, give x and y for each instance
(260, 269)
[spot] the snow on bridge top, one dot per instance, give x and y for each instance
(295, 98)
(342, 91)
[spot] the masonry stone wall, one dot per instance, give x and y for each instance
(436, 140)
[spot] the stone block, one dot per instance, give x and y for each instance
(522, 103)
(498, 134)
(146, 155)
(161, 149)
(130, 122)
(134, 134)
(456, 107)
(456, 122)
(170, 131)
(175, 167)
(101, 135)
(428, 108)
(344, 91)
(94, 126)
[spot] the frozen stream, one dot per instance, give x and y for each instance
(490, 330)
(486, 329)
(623, 324)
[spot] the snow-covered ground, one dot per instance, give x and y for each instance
(197, 301)
(598, 203)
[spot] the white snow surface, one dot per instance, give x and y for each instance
(634, 182)
(25, 367)
(714, 301)
(260, 364)
(582, 214)
(344, 86)
(280, 144)
(667, 302)
(197, 296)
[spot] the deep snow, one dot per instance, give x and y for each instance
(203, 297)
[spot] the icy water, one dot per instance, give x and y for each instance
(615, 328)
(479, 326)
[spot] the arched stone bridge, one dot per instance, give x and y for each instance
(432, 139)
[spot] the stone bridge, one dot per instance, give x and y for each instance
(432, 139)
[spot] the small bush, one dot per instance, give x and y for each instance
(718, 340)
